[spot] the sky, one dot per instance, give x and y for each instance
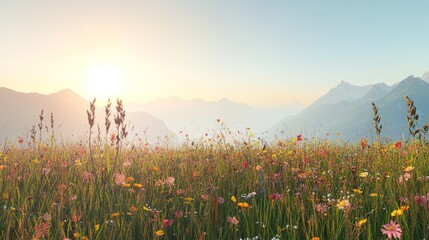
(264, 53)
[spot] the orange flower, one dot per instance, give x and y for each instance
(243, 205)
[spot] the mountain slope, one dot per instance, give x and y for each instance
(353, 119)
(22, 110)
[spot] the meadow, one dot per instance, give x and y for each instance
(221, 186)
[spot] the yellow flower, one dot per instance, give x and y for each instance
(97, 227)
(37, 160)
(159, 233)
(76, 235)
(343, 204)
(397, 212)
(114, 215)
(84, 238)
(274, 156)
(409, 168)
(362, 221)
(373, 195)
(233, 199)
(155, 169)
(126, 185)
(356, 190)
(315, 238)
(138, 185)
(145, 208)
(129, 179)
(363, 174)
(2, 166)
(188, 200)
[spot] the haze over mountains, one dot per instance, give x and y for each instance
(20, 111)
(197, 117)
(345, 109)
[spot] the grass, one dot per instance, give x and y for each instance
(218, 187)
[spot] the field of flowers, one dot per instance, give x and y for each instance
(214, 188)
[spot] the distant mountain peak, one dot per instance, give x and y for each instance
(425, 77)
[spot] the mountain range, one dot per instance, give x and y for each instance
(197, 116)
(21, 112)
(346, 111)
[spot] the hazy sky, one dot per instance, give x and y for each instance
(258, 52)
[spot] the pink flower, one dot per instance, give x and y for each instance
(205, 197)
(167, 222)
(392, 230)
(119, 178)
(232, 220)
(221, 200)
(180, 192)
(42, 230)
(275, 196)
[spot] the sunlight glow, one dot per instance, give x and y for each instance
(104, 81)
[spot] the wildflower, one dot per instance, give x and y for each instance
(167, 223)
(119, 178)
(397, 145)
(373, 195)
(250, 195)
(20, 140)
(233, 220)
(321, 208)
(392, 230)
(97, 227)
(409, 169)
(76, 235)
(315, 238)
(421, 200)
(159, 233)
(84, 238)
(169, 181)
(364, 143)
(178, 214)
(343, 204)
(243, 205)
(221, 200)
(156, 169)
(362, 222)
(205, 197)
(397, 212)
(363, 174)
(258, 168)
(405, 208)
(129, 179)
(233, 199)
(42, 230)
(137, 185)
(133, 208)
(2, 167)
(244, 164)
(188, 200)
(274, 156)
(114, 215)
(356, 190)
(180, 192)
(126, 185)
(145, 208)
(299, 137)
(275, 196)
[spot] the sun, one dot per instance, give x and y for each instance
(104, 81)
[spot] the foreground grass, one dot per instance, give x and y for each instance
(215, 190)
